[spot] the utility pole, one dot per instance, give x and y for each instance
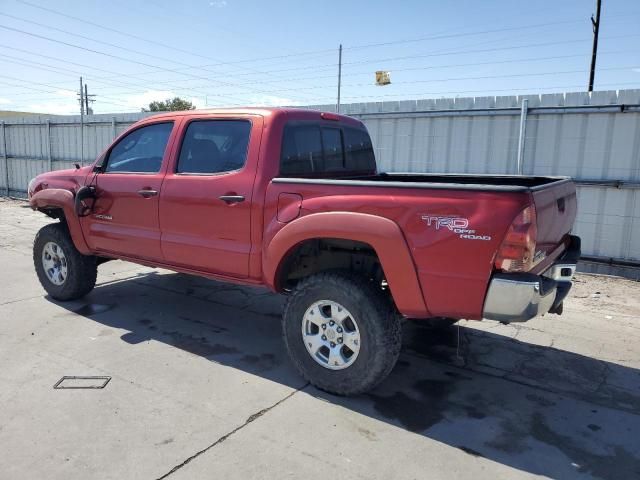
(81, 97)
(596, 29)
(88, 98)
(339, 77)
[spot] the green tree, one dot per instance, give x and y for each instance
(170, 105)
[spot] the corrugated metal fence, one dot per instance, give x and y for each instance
(593, 138)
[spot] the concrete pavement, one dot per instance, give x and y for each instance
(202, 388)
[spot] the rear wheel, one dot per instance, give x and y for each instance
(342, 332)
(63, 271)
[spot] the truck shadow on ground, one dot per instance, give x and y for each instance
(538, 409)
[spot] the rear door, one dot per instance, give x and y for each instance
(556, 208)
(206, 198)
(124, 220)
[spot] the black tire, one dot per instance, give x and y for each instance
(378, 325)
(82, 270)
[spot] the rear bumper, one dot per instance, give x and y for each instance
(518, 297)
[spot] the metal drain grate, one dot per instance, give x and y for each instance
(70, 382)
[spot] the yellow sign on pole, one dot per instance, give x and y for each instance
(383, 78)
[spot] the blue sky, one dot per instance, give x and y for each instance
(243, 52)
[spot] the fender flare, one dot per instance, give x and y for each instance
(64, 199)
(382, 234)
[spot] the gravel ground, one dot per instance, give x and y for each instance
(201, 386)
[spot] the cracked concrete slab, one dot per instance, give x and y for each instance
(201, 386)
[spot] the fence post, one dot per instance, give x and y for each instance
(113, 127)
(6, 160)
(49, 165)
(521, 138)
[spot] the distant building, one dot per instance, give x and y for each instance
(11, 113)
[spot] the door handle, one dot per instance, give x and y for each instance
(148, 193)
(229, 199)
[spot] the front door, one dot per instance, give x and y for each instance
(205, 203)
(124, 220)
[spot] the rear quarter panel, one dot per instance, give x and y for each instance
(453, 271)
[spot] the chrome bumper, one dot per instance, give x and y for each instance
(518, 297)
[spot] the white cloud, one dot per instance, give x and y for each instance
(5, 101)
(55, 108)
(218, 3)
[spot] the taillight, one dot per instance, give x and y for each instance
(519, 245)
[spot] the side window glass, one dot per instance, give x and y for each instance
(140, 151)
(214, 146)
(301, 150)
(333, 154)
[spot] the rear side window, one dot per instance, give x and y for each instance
(312, 148)
(214, 146)
(140, 151)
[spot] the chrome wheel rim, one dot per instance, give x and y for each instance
(54, 263)
(331, 335)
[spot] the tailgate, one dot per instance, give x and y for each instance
(556, 208)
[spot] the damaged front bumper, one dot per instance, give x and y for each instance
(518, 297)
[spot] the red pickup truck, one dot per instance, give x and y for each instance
(292, 199)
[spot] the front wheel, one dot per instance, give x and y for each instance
(63, 271)
(342, 332)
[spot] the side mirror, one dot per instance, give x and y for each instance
(83, 194)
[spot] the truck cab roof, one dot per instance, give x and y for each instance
(292, 113)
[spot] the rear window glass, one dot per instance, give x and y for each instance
(332, 147)
(359, 150)
(301, 150)
(312, 148)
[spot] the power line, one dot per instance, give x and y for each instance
(326, 52)
(248, 83)
(473, 33)
(119, 57)
(456, 65)
(331, 66)
(452, 79)
(164, 45)
(84, 37)
(438, 80)
(109, 29)
(84, 21)
(409, 57)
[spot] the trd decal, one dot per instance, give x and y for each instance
(458, 225)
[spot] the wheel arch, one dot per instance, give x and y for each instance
(59, 203)
(382, 236)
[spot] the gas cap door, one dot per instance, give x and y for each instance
(289, 205)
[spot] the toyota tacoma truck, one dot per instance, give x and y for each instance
(292, 199)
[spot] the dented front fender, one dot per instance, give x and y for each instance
(59, 198)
